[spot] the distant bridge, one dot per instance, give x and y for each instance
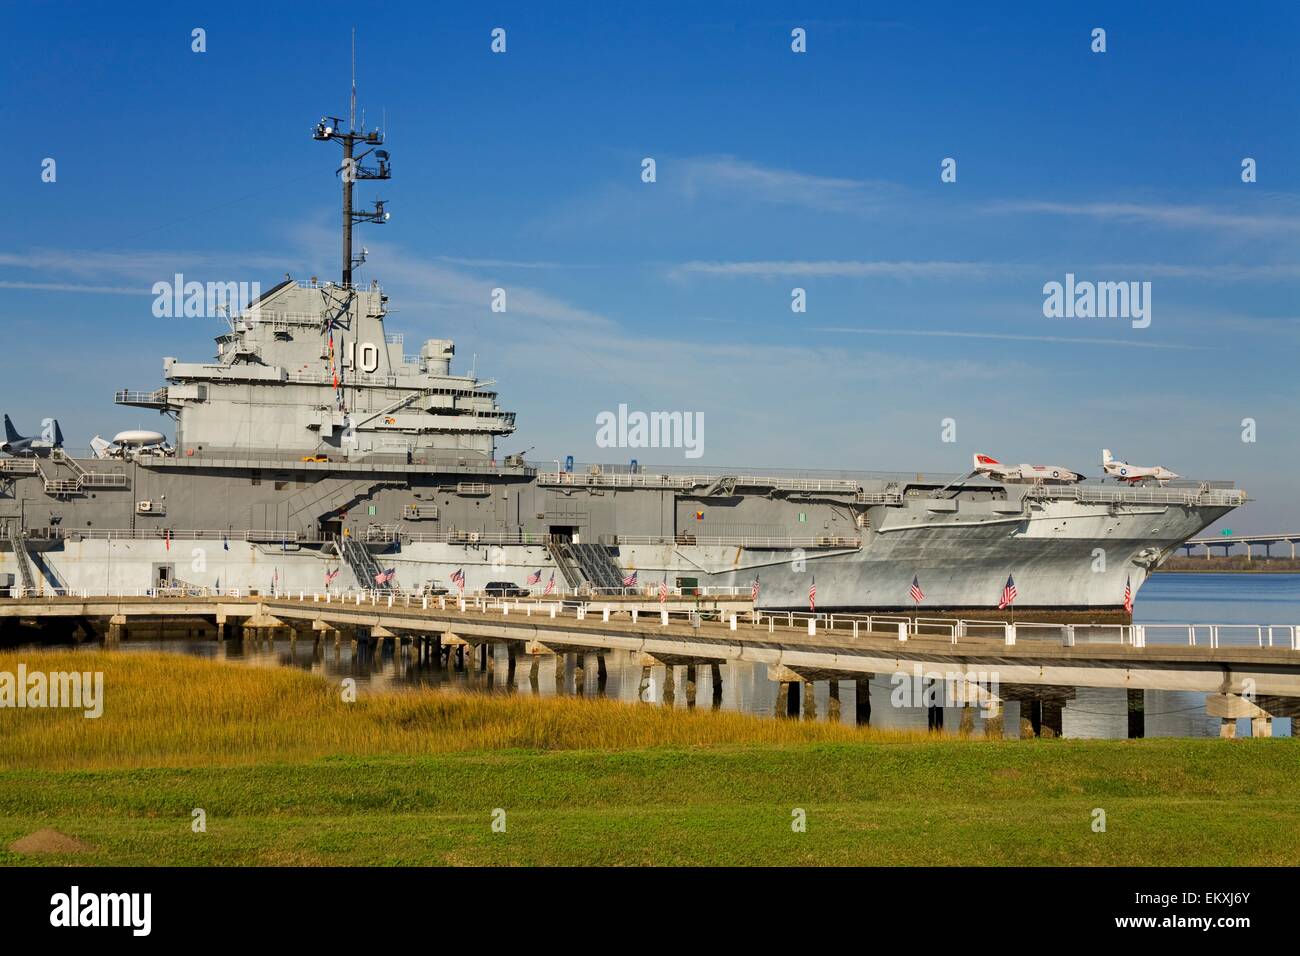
(1226, 542)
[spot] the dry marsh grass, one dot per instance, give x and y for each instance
(168, 710)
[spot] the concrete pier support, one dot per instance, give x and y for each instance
(670, 685)
(1052, 716)
(116, 630)
(690, 686)
(966, 721)
(933, 712)
(559, 674)
(1031, 717)
(580, 674)
(862, 701)
(833, 703)
(644, 687)
(783, 699)
(1229, 708)
(1137, 718)
(809, 700)
(534, 666)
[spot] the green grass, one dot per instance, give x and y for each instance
(715, 793)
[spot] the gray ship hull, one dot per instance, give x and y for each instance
(1063, 554)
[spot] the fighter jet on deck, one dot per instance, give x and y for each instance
(20, 447)
(992, 468)
(1134, 473)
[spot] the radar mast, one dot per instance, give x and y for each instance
(353, 169)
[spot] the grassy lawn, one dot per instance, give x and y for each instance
(289, 774)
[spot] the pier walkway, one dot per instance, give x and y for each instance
(1246, 671)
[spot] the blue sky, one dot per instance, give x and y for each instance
(775, 170)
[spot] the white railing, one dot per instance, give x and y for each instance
(1085, 494)
(184, 534)
(647, 480)
(126, 396)
(741, 541)
(1284, 637)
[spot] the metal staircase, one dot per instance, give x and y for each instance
(66, 487)
(19, 547)
(564, 561)
(597, 566)
(46, 569)
(362, 562)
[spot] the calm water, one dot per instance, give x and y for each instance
(1093, 712)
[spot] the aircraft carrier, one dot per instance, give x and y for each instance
(314, 451)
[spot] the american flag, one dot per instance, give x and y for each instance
(663, 590)
(458, 578)
(550, 585)
(330, 576)
(630, 580)
(753, 590)
(916, 593)
(812, 595)
(535, 577)
(385, 577)
(1128, 595)
(1008, 593)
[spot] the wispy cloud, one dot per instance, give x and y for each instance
(733, 178)
(67, 287)
(1222, 272)
(146, 266)
(942, 269)
(1169, 215)
(842, 268)
(1012, 337)
(511, 263)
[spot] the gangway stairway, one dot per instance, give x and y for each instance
(362, 563)
(47, 570)
(597, 566)
(564, 561)
(19, 547)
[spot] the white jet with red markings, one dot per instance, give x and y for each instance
(1134, 473)
(992, 468)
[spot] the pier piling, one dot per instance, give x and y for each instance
(862, 693)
